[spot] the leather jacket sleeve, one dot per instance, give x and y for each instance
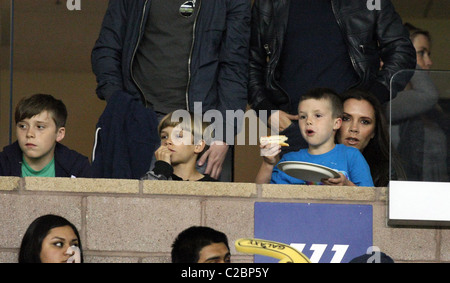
(259, 57)
(395, 47)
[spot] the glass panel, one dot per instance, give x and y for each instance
(52, 49)
(420, 127)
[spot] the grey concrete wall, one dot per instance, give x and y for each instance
(136, 221)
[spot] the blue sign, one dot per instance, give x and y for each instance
(323, 232)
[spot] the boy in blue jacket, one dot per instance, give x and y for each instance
(40, 127)
(320, 112)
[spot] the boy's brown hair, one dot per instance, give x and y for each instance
(337, 107)
(34, 105)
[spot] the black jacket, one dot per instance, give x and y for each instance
(219, 60)
(164, 171)
(370, 35)
(68, 163)
(126, 139)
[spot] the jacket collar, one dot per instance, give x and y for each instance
(15, 157)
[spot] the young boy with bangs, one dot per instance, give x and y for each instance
(320, 111)
(40, 127)
(182, 144)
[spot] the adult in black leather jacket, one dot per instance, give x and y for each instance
(370, 35)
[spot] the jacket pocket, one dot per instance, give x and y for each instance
(369, 48)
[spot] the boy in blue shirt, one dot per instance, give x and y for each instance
(320, 112)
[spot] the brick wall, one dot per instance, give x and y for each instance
(136, 221)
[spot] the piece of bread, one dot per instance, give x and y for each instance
(275, 139)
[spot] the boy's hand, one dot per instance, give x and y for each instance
(269, 152)
(164, 154)
(340, 181)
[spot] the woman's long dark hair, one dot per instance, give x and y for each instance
(377, 151)
(30, 249)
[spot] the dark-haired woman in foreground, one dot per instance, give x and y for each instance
(51, 239)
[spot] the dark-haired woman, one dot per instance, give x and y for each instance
(51, 239)
(364, 126)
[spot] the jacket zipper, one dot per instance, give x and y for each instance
(267, 48)
(352, 58)
(272, 74)
(355, 67)
(134, 54)
(190, 55)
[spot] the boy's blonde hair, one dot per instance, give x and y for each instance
(190, 122)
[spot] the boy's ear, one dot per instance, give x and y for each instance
(337, 124)
(60, 134)
(200, 146)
